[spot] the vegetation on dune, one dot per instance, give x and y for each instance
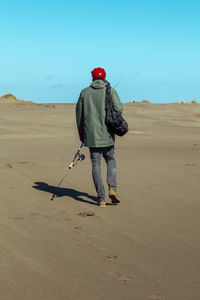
(9, 97)
(144, 101)
(189, 102)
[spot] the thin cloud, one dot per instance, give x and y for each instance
(50, 77)
(56, 86)
(7, 86)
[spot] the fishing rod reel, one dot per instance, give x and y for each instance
(82, 156)
(78, 157)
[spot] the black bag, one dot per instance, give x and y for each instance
(114, 120)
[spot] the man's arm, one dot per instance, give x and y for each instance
(116, 101)
(79, 118)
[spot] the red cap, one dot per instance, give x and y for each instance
(98, 73)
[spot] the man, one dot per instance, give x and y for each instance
(93, 132)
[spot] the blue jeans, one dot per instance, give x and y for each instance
(108, 154)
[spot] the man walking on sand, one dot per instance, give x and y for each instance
(93, 132)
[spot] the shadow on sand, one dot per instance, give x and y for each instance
(60, 192)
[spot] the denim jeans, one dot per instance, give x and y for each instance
(108, 154)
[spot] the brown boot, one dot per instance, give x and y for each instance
(113, 196)
(102, 203)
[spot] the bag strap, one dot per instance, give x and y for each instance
(108, 96)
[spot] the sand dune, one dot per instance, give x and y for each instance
(145, 249)
(11, 99)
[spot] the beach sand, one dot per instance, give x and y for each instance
(147, 248)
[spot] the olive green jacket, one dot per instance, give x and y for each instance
(90, 115)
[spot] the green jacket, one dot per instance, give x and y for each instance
(90, 115)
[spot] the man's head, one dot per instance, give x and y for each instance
(98, 73)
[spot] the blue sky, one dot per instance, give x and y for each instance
(48, 48)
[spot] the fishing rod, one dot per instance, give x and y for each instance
(118, 82)
(58, 187)
(78, 157)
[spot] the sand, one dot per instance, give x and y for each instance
(147, 248)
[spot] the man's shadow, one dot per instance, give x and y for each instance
(60, 192)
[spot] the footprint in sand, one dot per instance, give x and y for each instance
(18, 218)
(86, 214)
(44, 216)
(78, 229)
(121, 277)
(9, 166)
(111, 257)
(155, 297)
(67, 219)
